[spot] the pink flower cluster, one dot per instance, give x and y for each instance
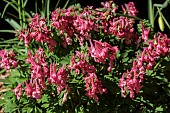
(38, 31)
(39, 71)
(33, 89)
(93, 84)
(122, 27)
(102, 51)
(70, 23)
(62, 21)
(59, 78)
(132, 80)
(7, 59)
(80, 24)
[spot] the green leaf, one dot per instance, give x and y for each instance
(44, 98)
(10, 107)
(2, 102)
(15, 72)
(6, 81)
(125, 59)
(27, 110)
(46, 105)
(25, 3)
(22, 57)
(74, 81)
(159, 108)
(9, 94)
(13, 23)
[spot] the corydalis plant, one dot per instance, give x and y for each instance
(80, 47)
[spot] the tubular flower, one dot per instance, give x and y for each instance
(145, 32)
(58, 78)
(33, 89)
(79, 63)
(18, 91)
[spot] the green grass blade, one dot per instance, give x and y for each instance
(25, 3)
(10, 40)
(23, 14)
(12, 4)
(12, 15)
(36, 8)
(13, 42)
(6, 6)
(7, 31)
(66, 4)
(57, 4)
(19, 12)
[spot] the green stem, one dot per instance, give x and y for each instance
(157, 64)
(151, 13)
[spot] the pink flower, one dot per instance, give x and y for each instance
(18, 91)
(132, 81)
(36, 93)
(33, 89)
(145, 32)
(29, 89)
(81, 64)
